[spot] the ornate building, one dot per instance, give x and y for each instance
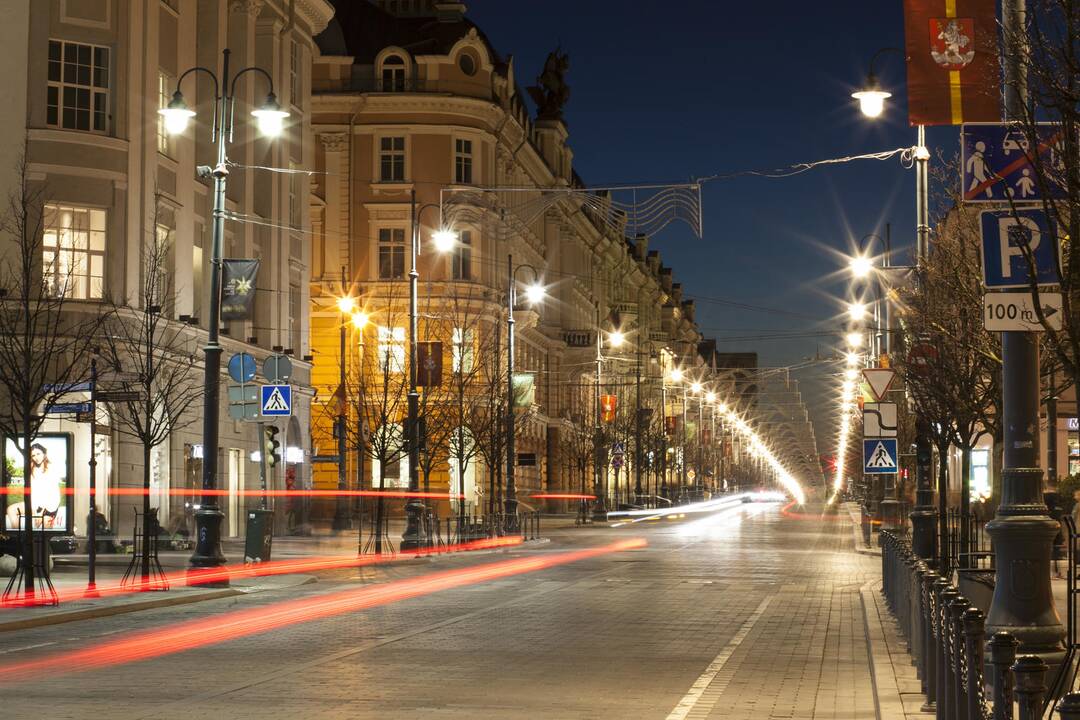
(421, 125)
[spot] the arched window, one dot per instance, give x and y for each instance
(393, 74)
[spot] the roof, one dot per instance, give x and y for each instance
(362, 30)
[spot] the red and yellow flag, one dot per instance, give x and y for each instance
(952, 61)
(607, 408)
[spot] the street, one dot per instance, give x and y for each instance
(741, 613)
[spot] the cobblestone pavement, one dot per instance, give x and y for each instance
(739, 614)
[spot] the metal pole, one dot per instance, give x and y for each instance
(208, 516)
(637, 424)
(341, 504)
(410, 539)
(91, 530)
(600, 506)
(510, 506)
(924, 517)
(1022, 532)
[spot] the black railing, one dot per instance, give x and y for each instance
(947, 638)
(973, 551)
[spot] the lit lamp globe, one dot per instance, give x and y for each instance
(676, 375)
(871, 98)
(854, 339)
(710, 397)
(534, 294)
(444, 240)
(861, 266)
(359, 320)
(857, 311)
(346, 305)
(176, 114)
(270, 117)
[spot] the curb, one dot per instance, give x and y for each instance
(66, 616)
(888, 695)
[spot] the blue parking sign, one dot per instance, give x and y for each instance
(1005, 235)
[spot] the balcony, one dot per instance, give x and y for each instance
(579, 338)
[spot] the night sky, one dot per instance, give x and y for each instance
(667, 91)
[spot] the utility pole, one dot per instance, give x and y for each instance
(1022, 531)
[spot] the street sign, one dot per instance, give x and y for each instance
(242, 367)
(68, 408)
(118, 396)
(879, 420)
(1005, 234)
(277, 368)
(247, 393)
(276, 400)
(325, 458)
(67, 387)
(921, 356)
(1016, 311)
(996, 160)
(879, 380)
(244, 411)
(879, 456)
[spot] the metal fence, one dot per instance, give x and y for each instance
(946, 637)
(970, 549)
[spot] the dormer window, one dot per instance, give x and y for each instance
(467, 63)
(393, 74)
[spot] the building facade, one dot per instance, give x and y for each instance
(420, 126)
(86, 114)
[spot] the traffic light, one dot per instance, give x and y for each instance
(271, 446)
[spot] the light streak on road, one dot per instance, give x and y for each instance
(222, 627)
(265, 569)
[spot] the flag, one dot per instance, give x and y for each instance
(952, 61)
(428, 364)
(524, 390)
(607, 408)
(237, 288)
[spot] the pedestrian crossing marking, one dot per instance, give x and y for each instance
(880, 458)
(879, 455)
(276, 400)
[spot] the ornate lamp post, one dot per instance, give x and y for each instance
(534, 293)
(270, 117)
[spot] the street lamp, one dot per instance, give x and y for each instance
(346, 305)
(176, 114)
(411, 538)
(871, 97)
(534, 293)
(854, 339)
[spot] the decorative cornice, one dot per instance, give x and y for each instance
(316, 12)
(334, 141)
(251, 7)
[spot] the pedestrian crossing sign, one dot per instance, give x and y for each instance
(879, 456)
(276, 400)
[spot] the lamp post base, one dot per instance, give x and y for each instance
(413, 537)
(924, 533)
(208, 555)
(1023, 603)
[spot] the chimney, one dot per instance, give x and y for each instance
(450, 12)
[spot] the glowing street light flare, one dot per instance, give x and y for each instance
(346, 305)
(861, 266)
(534, 294)
(444, 240)
(857, 311)
(616, 338)
(854, 339)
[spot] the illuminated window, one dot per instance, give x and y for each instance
(73, 255)
(462, 258)
(463, 350)
(78, 88)
(391, 349)
(165, 91)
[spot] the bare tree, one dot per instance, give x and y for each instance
(154, 360)
(957, 386)
(46, 335)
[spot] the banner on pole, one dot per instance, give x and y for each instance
(524, 390)
(429, 364)
(952, 61)
(607, 408)
(238, 288)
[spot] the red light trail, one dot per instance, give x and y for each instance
(242, 623)
(562, 496)
(217, 492)
(274, 567)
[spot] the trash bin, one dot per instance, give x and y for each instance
(260, 535)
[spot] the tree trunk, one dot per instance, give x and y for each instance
(28, 517)
(943, 509)
(379, 507)
(146, 517)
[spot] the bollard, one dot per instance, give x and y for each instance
(929, 640)
(915, 642)
(1069, 707)
(974, 634)
(946, 704)
(957, 608)
(1030, 672)
(1002, 656)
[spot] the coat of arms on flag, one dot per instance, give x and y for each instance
(952, 42)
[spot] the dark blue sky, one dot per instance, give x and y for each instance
(692, 88)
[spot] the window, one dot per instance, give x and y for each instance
(165, 90)
(462, 259)
(78, 90)
(73, 257)
(393, 74)
(467, 63)
(197, 271)
(463, 161)
(162, 272)
(295, 73)
(391, 253)
(391, 349)
(392, 159)
(463, 351)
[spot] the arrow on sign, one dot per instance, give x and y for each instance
(879, 380)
